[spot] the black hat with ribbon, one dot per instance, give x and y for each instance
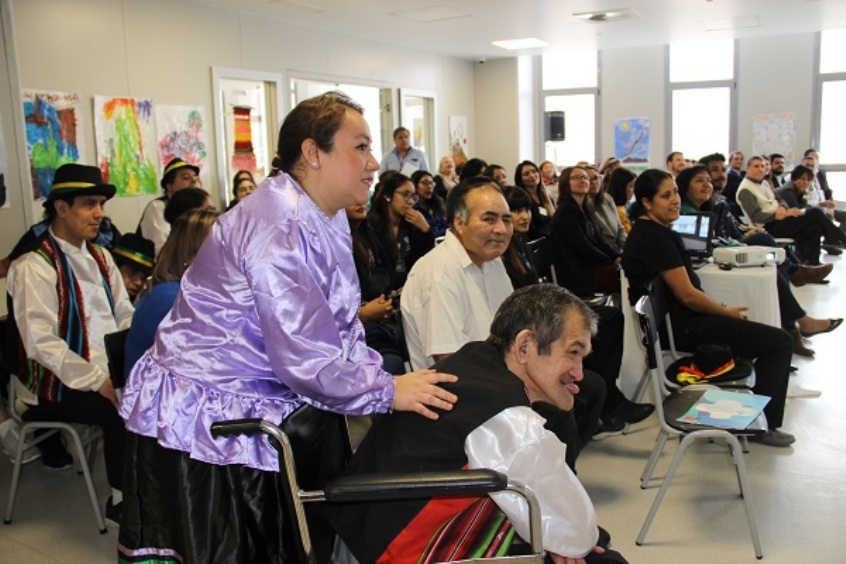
(77, 180)
(710, 363)
(136, 252)
(170, 170)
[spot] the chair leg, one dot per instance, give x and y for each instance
(665, 484)
(646, 475)
(642, 387)
(746, 493)
(89, 482)
(16, 476)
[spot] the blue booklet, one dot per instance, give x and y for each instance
(725, 409)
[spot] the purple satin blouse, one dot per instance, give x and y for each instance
(266, 319)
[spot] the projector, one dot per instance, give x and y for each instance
(753, 255)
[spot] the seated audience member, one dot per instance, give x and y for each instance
(549, 179)
(621, 189)
(177, 175)
(403, 157)
(533, 355)
(447, 173)
(776, 174)
(518, 259)
(473, 167)
(696, 193)
(654, 249)
(528, 177)
(676, 163)
(243, 184)
(734, 176)
(760, 205)
(65, 294)
(585, 262)
(429, 203)
(497, 172)
(606, 168)
(404, 232)
(186, 237)
(795, 192)
(377, 276)
(133, 255)
(186, 200)
(606, 211)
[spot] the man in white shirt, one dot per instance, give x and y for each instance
(65, 295)
(452, 293)
(403, 157)
(177, 175)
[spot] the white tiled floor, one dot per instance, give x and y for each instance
(799, 492)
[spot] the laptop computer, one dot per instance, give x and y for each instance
(697, 233)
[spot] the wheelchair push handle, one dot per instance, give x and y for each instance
(236, 427)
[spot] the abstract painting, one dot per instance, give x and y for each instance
(181, 132)
(51, 120)
(775, 133)
(126, 144)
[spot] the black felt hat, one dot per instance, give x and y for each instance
(710, 363)
(77, 180)
(136, 252)
(171, 168)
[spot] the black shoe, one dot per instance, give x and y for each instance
(833, 250)
(114, 513)
(609, 428)
(632, 412)
(56, 459)
(604, 539)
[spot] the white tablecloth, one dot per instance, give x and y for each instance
(754, 287)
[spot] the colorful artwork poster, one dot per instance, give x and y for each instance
(181, 132)
(458, 139)
(126, 144)
(631, 140)
(51, 120)
(775, 133)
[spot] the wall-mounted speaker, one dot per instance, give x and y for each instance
(553, 126)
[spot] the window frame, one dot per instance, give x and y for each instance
(816, 105)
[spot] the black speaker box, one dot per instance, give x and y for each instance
(553, 127)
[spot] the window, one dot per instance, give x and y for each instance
(570, 84)
(831, 118)
(702, 93)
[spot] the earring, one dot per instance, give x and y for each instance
(314, 165)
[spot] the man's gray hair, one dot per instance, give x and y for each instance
(542, 308)
(456, 204)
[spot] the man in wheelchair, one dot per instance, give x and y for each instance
(539, 337)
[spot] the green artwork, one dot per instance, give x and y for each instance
(126, 144)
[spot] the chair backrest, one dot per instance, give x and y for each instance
(542, 254)
(115, 347)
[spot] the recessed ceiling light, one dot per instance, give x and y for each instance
(433, 14)
(731, 23)
(525, 43)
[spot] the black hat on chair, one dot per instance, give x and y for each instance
(710, 363)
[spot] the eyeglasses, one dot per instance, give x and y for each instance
(579, 177)
(408, 196)
(427, 182)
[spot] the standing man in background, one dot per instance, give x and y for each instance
(403, 157)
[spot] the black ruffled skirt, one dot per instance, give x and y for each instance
(176, 509)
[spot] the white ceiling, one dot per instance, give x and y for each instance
(469, 36)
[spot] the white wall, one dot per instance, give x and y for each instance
(164, 50)
(497, 117)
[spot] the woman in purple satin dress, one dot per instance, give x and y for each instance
(266, 320)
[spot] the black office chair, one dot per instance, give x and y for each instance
(313, 448)
(115, 352)
(670, 405)
(542, 254)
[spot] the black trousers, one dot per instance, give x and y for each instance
(807, 230)
(93, 409)
(771, 347)
(607, 354)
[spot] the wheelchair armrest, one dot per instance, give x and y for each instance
(372, 487)
(235, 427)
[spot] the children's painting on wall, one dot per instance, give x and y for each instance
(458, 139)
(126, 144)
(182, 133)
(631, 140)
(51, 120)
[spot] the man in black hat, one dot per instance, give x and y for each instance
(133, 255)
(66, 294)
(177, 175)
